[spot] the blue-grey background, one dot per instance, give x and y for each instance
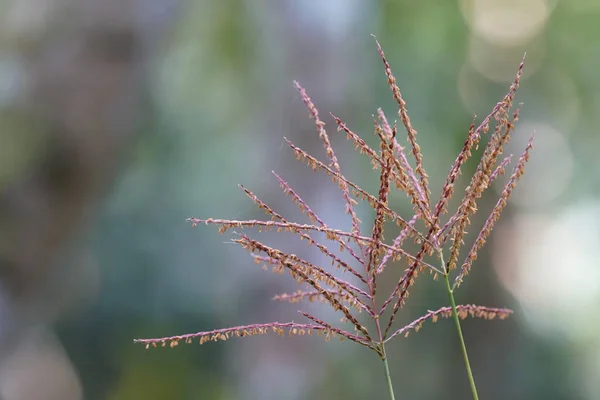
(121, 118)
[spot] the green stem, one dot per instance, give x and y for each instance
(460, 336)
(388, 376)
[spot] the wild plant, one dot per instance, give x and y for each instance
(438, 234)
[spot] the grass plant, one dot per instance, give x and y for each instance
(360, 254)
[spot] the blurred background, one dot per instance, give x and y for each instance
(121, 118)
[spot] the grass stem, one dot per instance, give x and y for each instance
(388, 377)
(460, 334)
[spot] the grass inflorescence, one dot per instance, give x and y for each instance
(438, 234)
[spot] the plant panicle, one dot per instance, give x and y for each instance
(369, 255)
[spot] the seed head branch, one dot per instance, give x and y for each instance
(295, 264)
(518, 171)
(443, 234)
(314, 113)
(360, 144)
(335, 259)
(343, 334)
(313, 296)
(314, 217)
(397, 244)
(335, 304)
(480, 180)
(412, 133)
(237, 331)
(358, 192)
(464, 311)
(375, 247)
(401, 289)
(405, 171)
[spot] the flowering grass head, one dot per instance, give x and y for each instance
(362, 252)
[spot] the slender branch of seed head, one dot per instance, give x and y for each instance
(400, 177)
(287, 189)
(448, 188)
(480, 180)
(313, 270)
(344, 290)
(263, 206)
(310, 275)
(413, 188)
(446, 230)
(313, 216)
(294, 227)
(373, 201)
(314, 295)
(355, 338)
(360, 144)
(475, 135)
(374, 250)
(484, 125)
(235, 331)
(335, 304)
(500, 169)
(331, 154)
(422, 203)
(446, 312)
(493, 150)
(518, 171)
(472, 141)
(298, 296)
(412, 133)
(406, 281)
(415, 259)
(399, 149)
(397, 244)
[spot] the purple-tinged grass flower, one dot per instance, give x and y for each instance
(369, 252)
